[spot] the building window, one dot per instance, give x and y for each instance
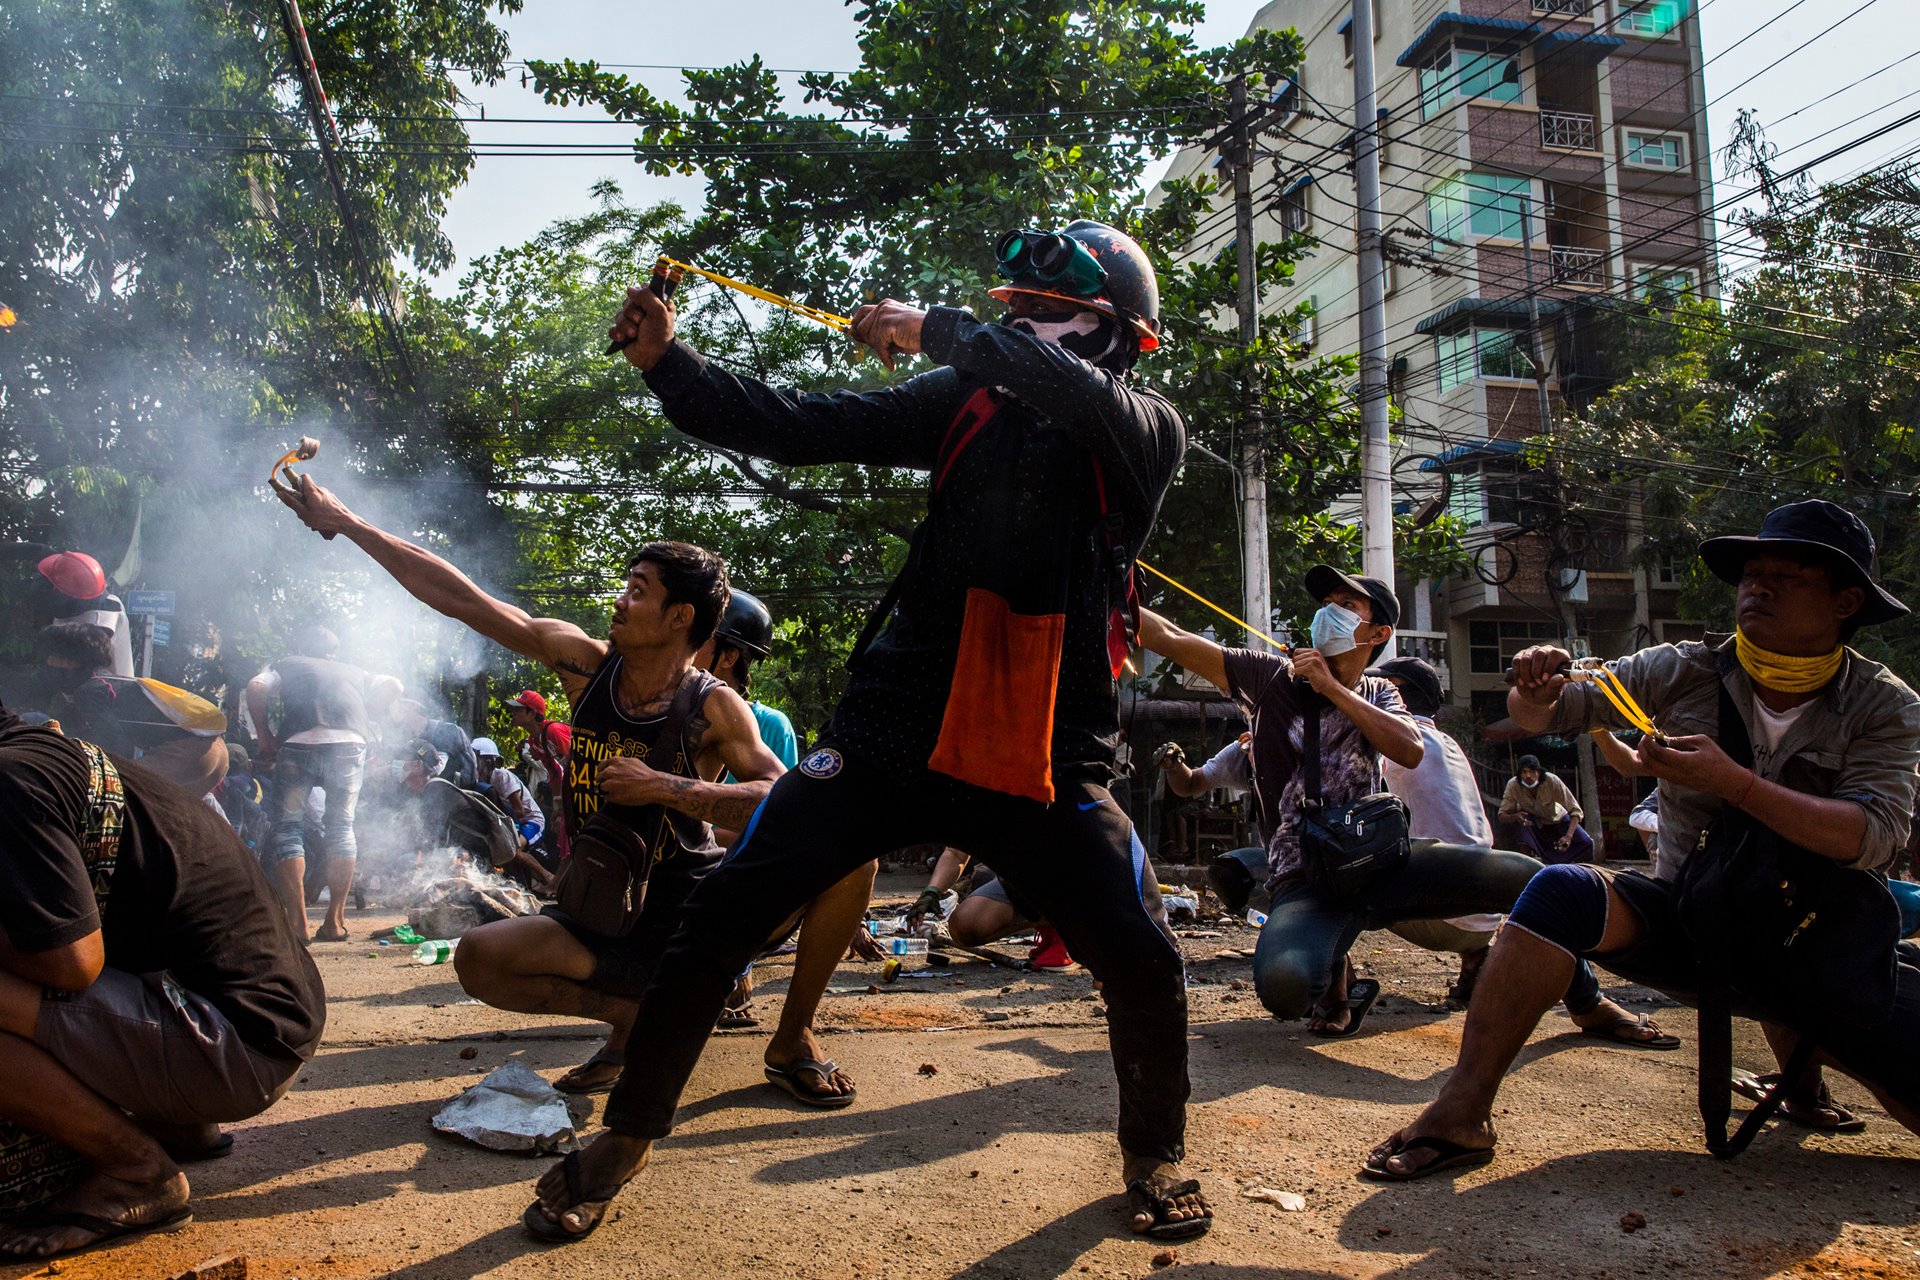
(1658, 282)
(1492, 646)
(1482, 353)
(1346, 33)
(1666, 151)
(1478, 204)
(1467, 71)
(1306, 326)
(1296, 216)
(1651, 18)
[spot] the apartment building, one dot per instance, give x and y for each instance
(1542, 160)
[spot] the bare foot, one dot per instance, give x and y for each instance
(99, 1209)
(1165, 1202)
(601, 1168)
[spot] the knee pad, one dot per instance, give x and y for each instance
(1565, 905)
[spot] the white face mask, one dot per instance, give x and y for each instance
(1088, 334)
(1333, 629)
(1529, 785)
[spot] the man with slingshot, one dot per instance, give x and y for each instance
(981, 709)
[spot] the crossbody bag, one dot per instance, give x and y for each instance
(603, 885)
(1346, 849)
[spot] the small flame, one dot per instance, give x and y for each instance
(7, 317)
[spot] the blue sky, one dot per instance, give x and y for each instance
(509, 199)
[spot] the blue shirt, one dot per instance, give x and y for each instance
(777, 732)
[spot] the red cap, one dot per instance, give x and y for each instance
(532, 702)
(75, 574)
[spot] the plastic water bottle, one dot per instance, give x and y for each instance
(435, 951)
(885, 926)
(1256, 918)
(908, 946)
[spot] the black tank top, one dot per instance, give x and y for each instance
(601, 731)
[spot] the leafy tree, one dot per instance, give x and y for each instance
(900, 175)
(184, 284)
(1802, 381)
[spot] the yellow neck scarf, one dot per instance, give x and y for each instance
(1783, 672)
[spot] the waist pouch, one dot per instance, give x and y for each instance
(1346, 849)
(603, 885)
(1780, 932)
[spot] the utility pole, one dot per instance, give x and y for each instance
(1569, 622)
(1257, 588)
(1376, 465)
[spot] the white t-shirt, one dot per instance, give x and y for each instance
(1443, 803)
(1773, 725)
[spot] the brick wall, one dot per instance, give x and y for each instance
(1513, 410)
(1646, 89)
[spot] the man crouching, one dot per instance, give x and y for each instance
(150, 987)
(1782, 730)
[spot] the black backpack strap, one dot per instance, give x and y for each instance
(974, 413)
(1310, 744)
(1715, 1027)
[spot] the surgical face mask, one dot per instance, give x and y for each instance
(1333, 629)
(1088, 334)
(1529, 783)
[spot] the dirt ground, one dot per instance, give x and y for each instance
(1002, 1162)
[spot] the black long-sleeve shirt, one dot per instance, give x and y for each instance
(1016, 511)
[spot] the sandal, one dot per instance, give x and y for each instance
(736, 1016)
(1361, 993)
(545, 1229)
(1817, 1111)
(1145, 1196)
(328, 935)
(1446, 1155)
(106, 1230)
(788, 1079)
(576, 1083)
(1622, 1031)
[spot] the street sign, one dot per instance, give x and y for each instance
(162, 631)
(150, 603)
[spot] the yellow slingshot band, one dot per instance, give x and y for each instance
(1615, 692)
(1250, 628)
(828, 318)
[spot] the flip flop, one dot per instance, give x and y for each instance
(788, 1080)
(731, 1019)
(545, 1229)
(1447, 1155)
(106, 1228)
(601, 1058)
(1614, 1033)
(1144, 1197)
(1361, 993)
(1803, 1110)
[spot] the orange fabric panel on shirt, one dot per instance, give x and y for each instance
(998, 730)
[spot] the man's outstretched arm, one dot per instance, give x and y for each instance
(1196, 653)
(444, 589)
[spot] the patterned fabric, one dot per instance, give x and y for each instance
(34, 1168)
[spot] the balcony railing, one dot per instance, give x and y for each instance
(1572, 8)
(1578, 268)
(1573, 130)
(1431, 645)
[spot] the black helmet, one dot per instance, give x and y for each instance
(747, 625)
(1131, 292)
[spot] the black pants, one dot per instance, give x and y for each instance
(1076, 860)
(624, 966)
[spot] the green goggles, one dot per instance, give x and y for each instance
(1052, 259)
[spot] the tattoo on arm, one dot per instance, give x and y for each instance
(729, 805)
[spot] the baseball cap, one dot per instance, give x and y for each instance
(1323, 580)
(532, 702)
